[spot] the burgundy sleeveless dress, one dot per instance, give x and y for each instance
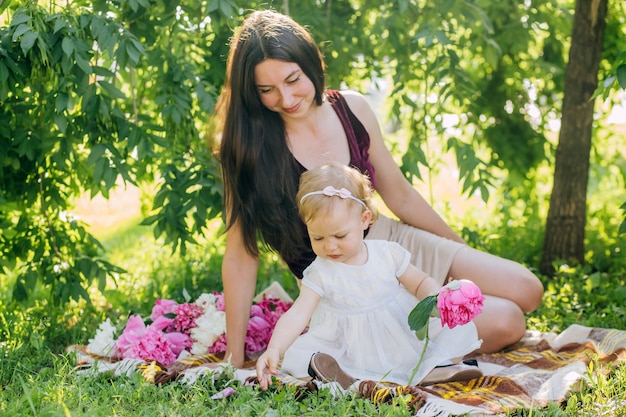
(359, 144)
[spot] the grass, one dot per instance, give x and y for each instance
(37, 377)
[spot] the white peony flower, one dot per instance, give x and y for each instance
(103, 343)
(207, 301)
(209, 326)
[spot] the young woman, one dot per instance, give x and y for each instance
(277, 120)
(357, 295)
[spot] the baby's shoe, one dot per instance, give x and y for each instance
(325, 368)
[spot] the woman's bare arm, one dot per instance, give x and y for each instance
(397, 193)
(239, 274)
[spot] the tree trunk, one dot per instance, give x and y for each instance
(565, 226)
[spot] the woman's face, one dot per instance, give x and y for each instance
(284, 88)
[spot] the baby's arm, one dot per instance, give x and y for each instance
(418, 282)
(288, 328)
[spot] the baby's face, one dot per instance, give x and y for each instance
(338, 234)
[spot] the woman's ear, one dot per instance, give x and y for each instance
(366, 218)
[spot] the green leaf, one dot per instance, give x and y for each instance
(61, 122)
(19, 291)
(21, 29)
(27, 42)
(446, 6)
(96, 153)
(20, 17)
(213, 6)
(99, 168)
(61, 102)
(59, 23)
(110, 175)
(105, 72)
(621, 75)
(134, 54)
(4, 73)
(418, 318)
(83, 63)
(68, 46)
(112, 90)
(150, 220)
(422, 332)
(226, 8)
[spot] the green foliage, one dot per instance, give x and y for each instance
(104, 93)
(188, 190)
(91, 97)
(614, 71)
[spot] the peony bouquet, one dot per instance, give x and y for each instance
(457, 303)
(196, 327)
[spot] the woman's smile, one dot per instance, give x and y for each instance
(293, 109)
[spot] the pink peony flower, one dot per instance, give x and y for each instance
(179, 341)
(162, 323)
(186, 315)
(263, 318)
(162, 307)
(459, 302)
(219, 302)
(259, 333)
(155, 345)
(175, 327)
(151, 342)
(132, 334)
(219, 346)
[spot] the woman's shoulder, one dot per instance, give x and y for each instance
(357, 103)
(353, 98)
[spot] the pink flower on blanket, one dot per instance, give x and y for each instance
(174, 317)
(197, 327)
(132, 334)
(186, 315)
(139, 341)
(157, 346)
(263, 318)
(459, 302)
(162, 307)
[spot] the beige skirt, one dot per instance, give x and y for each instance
(431, 253)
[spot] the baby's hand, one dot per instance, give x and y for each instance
(266, 367)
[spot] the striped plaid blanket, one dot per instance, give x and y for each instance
(541, 369)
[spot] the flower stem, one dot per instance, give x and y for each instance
(426, 339)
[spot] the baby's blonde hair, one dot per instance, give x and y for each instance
(338, 176)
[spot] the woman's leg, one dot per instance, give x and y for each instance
(510, 290)
(500, 324)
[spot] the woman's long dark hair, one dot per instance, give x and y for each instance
(260, 179)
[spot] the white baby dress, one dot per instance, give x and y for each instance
(362, 321)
